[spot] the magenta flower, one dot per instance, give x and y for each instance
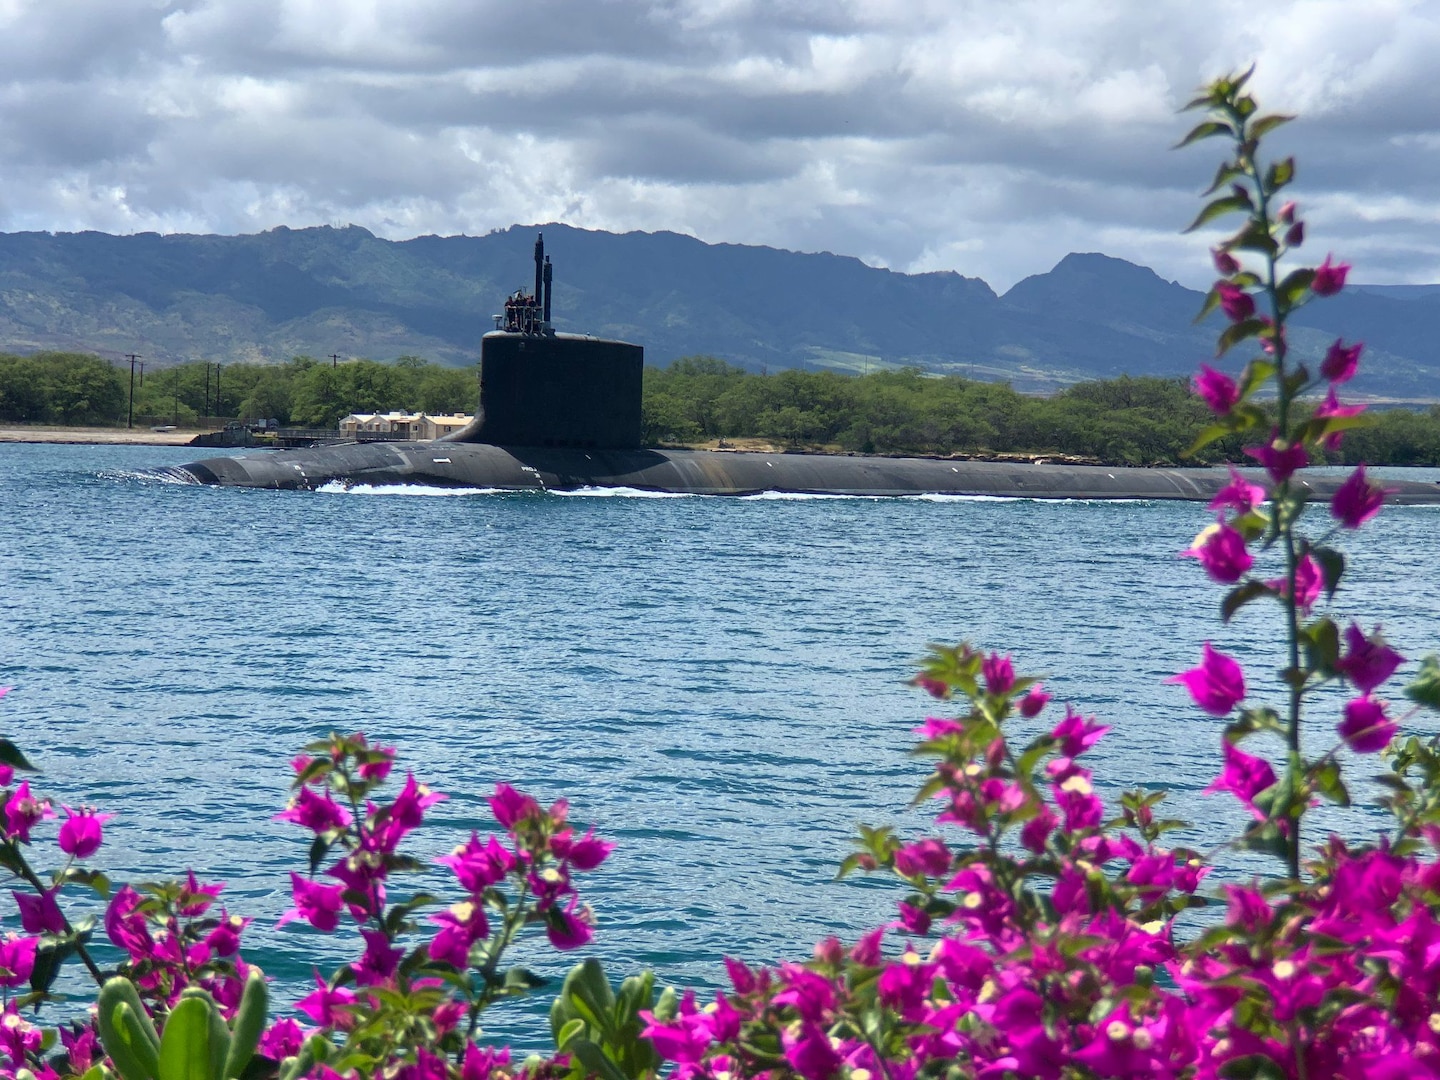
(1366, 728)
(23, 811)
(999, 673)
(317, 904)
(1279, 458)
(478, 865)
(929, 856)
(282, 1039)
(1077, 733)
(1226, 263)
(583, 854)
(485, 1063)
(1219, 390)
(1221, 551)
(1245, 776)
(316, 812)
(1331, 407)
(195, 898)
(569, 929)
(327, 1007)
(1033, 702)
(1037, 830)
(1217, 685)
(17, 959)
(1295, 235)
(126, 927)
(376, 771)
(39, 914)
(80, 835)
(1309, 580)
(1367, 662)
(810, 1054)
(1341, 361)
(510, 806)
(1329, 280)
(1237, 304)
(379, 961)
(1239, 495)
(1357, 500)
(224, 940)
(461, 925)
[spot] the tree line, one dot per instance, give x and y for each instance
(1129, 420)
(75, 388)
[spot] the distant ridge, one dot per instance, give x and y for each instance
(317, 291)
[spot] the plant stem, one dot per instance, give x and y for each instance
(36, 884)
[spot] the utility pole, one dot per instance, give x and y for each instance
(130, 410)
(217, 390)
(176, 381)
(334, 361)
(207, 389)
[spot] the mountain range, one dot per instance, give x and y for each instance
(322, 291)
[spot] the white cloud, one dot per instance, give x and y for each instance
(984, 137)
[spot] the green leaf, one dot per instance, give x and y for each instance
(1332, 568)
(571, 1029)
(1424, 690)
(1241, 595)
(1326, 778)
(1264, 126)
(1255, 237)
(1236, 333)
(10, 755)
(1205, 130)
(1227, 204)
(1252, 1067)
(185, 1045)
(1252, 720)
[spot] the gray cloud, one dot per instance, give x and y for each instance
(972, 135)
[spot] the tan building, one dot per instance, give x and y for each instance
(401, 426)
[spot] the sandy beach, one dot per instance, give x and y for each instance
(25, 433)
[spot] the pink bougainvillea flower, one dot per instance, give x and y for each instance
(1280, 459)
(80, 835)
(809, 1052)
(23, 811)
(999, 673)
(583, 854)
(1217, 685)
(195, 898)
(1366, 728)
(929, 857)
(1309, 580)
(318, 813)
(1239, 495)
(1034, 702)
(327, 1007)
(17, 959)
(317, 904)
(1245, 776)
(1221, 551)
(1226, 263)
(913, 920)
(1329, 279)
(1295, 235)
(478, 865)
(378, 963)
(934, 687)
(1077, 733)
(39, 914)
(1357, 500)
(569, 929)
(1331, 408)
(1037, 830)
(1218, 390)
(224, 940)
(462, 925)
(1341, 361)
(282, 1039)
(125, 927)
(376, 771)
(1367, 662)
(485, 1063)
(510, 806)
(1237, 304)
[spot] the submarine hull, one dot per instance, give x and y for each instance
(712, 472)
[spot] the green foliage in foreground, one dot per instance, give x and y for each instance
(1128, 421)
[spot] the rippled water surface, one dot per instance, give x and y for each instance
(717, 684)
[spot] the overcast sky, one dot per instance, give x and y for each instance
(988, 137)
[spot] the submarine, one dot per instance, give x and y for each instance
(562, 412)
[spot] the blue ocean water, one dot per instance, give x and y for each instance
(716, 684)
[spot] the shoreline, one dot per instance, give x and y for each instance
(99, 436)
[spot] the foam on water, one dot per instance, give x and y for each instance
(342, 487)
